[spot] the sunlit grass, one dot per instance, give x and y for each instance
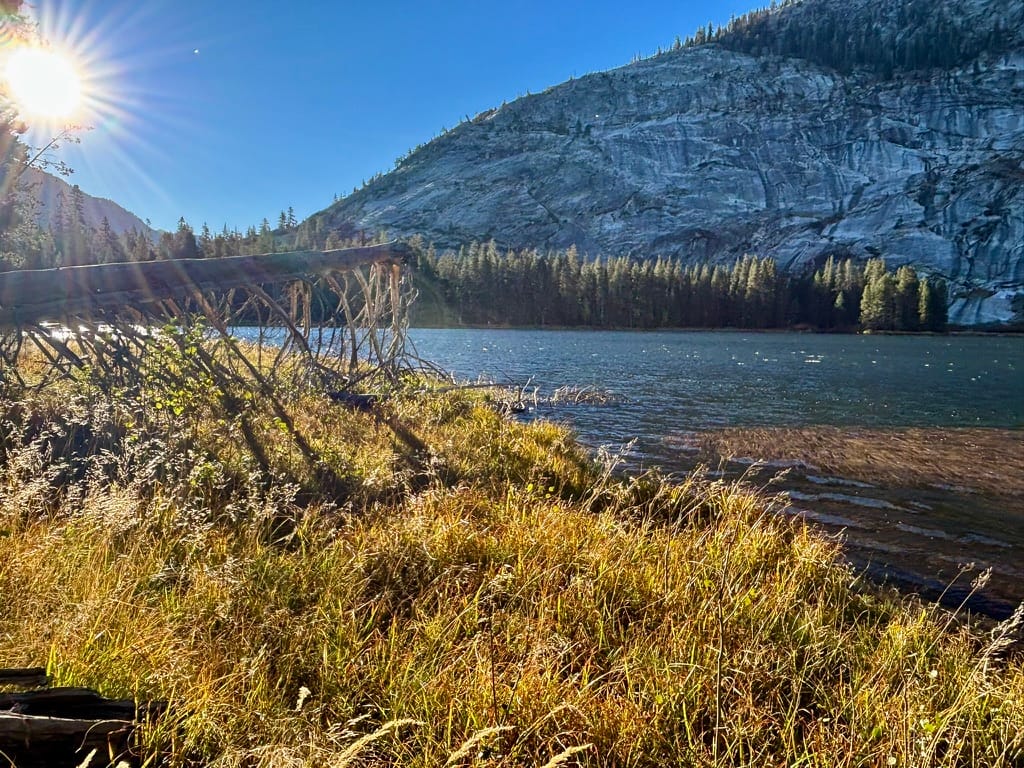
(503, 601)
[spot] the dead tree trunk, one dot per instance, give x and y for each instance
(32, 296)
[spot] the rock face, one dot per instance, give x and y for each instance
(710, 152)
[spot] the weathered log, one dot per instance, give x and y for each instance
(60, 726)
(35, 729)
(28, 741)
(26, 677)
(68, 702)
(32, 296)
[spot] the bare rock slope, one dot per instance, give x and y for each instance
(795, 136)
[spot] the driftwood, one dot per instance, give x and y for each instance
(32, 296)
(63, 726)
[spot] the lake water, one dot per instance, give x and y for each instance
(670, 385)
(673, 384)
(684, 381)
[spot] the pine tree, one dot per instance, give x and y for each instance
(206, 245)
(183, 243)
(878, 303)
(840, 304)
(719, 316)
(265, 240)
(72, 236)
(141, 248)
(933, 304)
(907, 299)
(871, 309)
(107, 247)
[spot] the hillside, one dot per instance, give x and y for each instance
(53, 192)
(860, 129)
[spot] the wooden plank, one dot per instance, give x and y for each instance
(31, 296)
(28, 677)
(67, 702)
(35, 729)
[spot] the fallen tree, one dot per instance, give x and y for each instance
(334, 321)
(102, 290)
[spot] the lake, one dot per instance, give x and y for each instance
(672, 385)
(920, 514)
(682, 381)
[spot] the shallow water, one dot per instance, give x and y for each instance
(673, 385)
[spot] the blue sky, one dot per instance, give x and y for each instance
(227, 112)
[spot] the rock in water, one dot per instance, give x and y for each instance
(890, 128)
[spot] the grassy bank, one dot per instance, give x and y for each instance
(502, 601)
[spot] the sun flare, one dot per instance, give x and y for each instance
(43, 84)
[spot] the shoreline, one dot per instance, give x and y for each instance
(505, 584)
(912, 504)
(962, 331)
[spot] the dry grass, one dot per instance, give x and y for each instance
(502, 602)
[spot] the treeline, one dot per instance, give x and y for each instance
(483, 285)
(883, 37)
(70, 240)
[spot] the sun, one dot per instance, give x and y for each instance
(43, 84)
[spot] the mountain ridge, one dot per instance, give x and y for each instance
(710, 152)
(51, 192)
